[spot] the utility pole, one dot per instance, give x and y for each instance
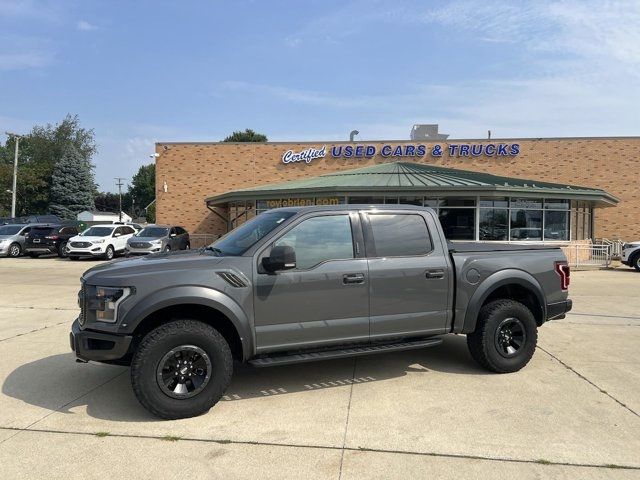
(119, 184)
(15, 173)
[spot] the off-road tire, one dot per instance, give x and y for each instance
(152, 349)
(14, 250)
(482, 344)
(109, 253)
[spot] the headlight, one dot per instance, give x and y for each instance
(98, 241)
(106, 302)
(156, 242)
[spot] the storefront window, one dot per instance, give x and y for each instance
(458, 223)
(494, 223)
(458, 202)
(526, 224)
(431, 202)
(526, 203)
(554, 204)
(556, 225)
(494, 202)
(411, 201)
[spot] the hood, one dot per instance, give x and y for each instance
(6, 237)
(145, 239)
(123, 272)
(80, 238)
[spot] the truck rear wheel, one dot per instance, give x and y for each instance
(505, 337)
(181, 369)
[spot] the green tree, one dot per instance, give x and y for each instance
(40, 150)
(72, 185)
(143, 186)
(247, 136)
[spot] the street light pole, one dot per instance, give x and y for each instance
(15, 173)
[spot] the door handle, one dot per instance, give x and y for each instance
(435, 274)
(353, 278)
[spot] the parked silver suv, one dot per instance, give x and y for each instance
(158, 238)
(12, 239)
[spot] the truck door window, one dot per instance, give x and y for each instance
(400, 235)
(319, 239)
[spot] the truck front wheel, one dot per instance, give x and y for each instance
(505, 337)
(181, 369)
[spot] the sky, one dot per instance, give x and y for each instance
(140, 72)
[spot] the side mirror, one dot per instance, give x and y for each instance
(282, 257)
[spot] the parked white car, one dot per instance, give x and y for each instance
(103, 241)
(631, 254)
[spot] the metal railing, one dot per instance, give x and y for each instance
(615, 245)
(199, 240)
(595, 255)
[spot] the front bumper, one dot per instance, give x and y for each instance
(143, 251)
(100, 347)
(557, 311)
(86, 252)
(4, 249)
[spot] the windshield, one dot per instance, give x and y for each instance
(10, 229)
(97, 232)
(153, 232)
(244, 237)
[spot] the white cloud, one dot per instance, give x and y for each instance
(20, 52)
(85, 26)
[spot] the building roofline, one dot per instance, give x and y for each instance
(448, 140)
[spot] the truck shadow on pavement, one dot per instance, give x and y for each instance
(59, 384)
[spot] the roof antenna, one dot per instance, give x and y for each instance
(352, 135)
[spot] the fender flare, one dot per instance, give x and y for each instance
(494, 282)
(193, 295)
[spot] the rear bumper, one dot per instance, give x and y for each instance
(557, 311)
(41, 249)
(89, 345)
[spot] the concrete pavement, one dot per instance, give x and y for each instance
(573, 412)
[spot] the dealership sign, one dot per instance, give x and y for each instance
(405, 150)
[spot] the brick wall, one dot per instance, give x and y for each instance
(196, 171)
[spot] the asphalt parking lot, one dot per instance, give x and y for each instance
(574, 412)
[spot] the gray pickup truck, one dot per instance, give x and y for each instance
(313, 283)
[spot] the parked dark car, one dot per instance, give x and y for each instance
(44, 239)
(158, 238)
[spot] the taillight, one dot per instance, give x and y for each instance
(563, 269)
(52, 237)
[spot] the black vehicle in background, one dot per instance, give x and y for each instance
(49, 238)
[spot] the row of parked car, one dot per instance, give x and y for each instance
(98, 241)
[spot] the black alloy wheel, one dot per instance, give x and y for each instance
(184, 371)
(510, 336)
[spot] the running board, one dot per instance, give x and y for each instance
(285, 359)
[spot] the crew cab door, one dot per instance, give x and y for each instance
(325, 299)
(409, 275)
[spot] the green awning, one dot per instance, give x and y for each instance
(403, 178)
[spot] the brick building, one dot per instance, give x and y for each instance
(202, 185)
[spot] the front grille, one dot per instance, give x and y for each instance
(82, 301)
(140, 245)
(80, 244)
